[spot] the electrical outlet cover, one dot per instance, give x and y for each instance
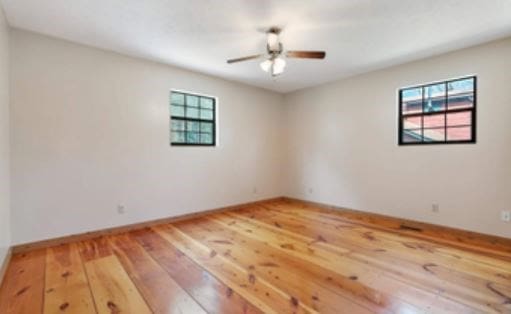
(505, 215)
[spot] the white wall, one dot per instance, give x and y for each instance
(5, 230)
(342, 144)
(90, 130)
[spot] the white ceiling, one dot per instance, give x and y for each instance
(358, 35)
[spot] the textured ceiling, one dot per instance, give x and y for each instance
(358, 35)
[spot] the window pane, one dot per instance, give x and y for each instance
(177, 111)
(412, 136)
(192, 137)
(459, 134)
(192, 112)
(192, 101)
(412, 123)
(178, 125)
(461, 93)
(434, 135)
(461, 101)
(206, 114)
(434, 121)
(206, 127)
(177, 98)
(206, 103)
(459, 118)
(206, 138)
(434, 98)
(193, 126)
(178, 137)
(461, 86)
(412, 100)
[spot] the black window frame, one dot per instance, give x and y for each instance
(186, 119)
(422, 114)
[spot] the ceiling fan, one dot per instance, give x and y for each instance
(275, 62)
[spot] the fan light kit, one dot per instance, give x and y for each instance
(275, 62)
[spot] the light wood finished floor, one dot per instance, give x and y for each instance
(277, 257)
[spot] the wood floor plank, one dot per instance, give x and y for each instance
(481, 297)
(259, 292)
(23, 286)
(94, 248)
(160, 291)
(213, 295)
(399, 248)
(274, 257)
(475, 275)
(284, 273)
(470, 287)
(480, 243)
(474, 255)
(112, 288)
(339, 260)
(66, 285)
(450, 257)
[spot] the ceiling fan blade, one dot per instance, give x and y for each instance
(244, 58)
(306, 54)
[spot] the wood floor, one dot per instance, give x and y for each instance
(277, 257)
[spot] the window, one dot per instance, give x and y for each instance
(438, 113)
(192, 119)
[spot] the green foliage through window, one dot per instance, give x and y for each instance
(192, 119)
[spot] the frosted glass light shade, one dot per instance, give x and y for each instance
(266, 65)
(278, 66)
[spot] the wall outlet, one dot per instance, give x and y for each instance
(121, 209)
(254, 190)
(505, 215)
(435, 208)
(311, 190)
